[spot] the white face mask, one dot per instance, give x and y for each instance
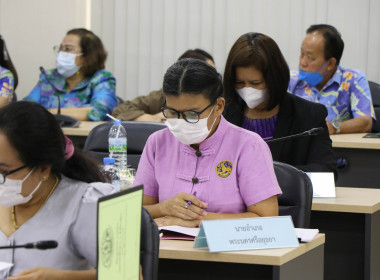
(190, 133)
(253, 97)
(66, 64)
(10, 192)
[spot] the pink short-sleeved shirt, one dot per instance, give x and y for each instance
(232, 170)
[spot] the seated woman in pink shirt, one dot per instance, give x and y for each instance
(201, 166)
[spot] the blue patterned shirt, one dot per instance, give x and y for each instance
(97, 92)
(6, 83)
(346, 95)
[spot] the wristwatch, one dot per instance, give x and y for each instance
(336, 125)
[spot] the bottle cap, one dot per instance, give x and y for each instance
(117, 122)
(108, 160)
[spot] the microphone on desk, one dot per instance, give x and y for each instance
(313, 131)
(41, 245)
(63, 120)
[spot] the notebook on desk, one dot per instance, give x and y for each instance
(372, 135)
(118, 235)
(178, 233)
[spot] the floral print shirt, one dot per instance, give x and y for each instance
(346, 95)
(6, 83)
(97, 92)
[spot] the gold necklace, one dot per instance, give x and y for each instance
(15, 225)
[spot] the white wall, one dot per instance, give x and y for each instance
(31, 28)
(144, 37)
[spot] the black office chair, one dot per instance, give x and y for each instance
(375, 93)
(150, 246)
(297, 194)
(96, 145)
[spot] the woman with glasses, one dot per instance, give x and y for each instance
(8, 76)
(255, 83)
(86, 90)
(48, 191)
(201, 166)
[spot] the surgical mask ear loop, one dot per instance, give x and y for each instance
(322, 67)
(213, 121)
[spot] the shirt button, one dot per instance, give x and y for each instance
(195, 180)
(198, 153)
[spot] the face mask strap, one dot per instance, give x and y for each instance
(322, 67)
(214, 119)
(27, 176)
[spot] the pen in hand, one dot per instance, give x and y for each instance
(189, 202)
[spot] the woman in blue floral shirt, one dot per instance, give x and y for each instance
(87, 91)
(8, 75)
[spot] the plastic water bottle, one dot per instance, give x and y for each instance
(117, 146)
(110, 173)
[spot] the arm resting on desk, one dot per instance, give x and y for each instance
(268, 207)
(356, 125)
(79, 113)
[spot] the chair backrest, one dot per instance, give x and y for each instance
(375, 93)
(150, 246)
(297, 194)
(96, 145)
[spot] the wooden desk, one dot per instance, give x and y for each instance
(351, 222)
(79, 134)
(363, 160)
(83, 129)
(179, 260)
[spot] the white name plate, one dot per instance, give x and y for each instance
(247, 234)
(323, 184)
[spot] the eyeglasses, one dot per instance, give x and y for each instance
(190, 116)
(3, 174)
(65, 48)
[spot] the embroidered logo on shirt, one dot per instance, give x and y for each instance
(224, 169)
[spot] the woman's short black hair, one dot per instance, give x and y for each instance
(334, 44)
(261, 52)
(37, 137)
(93, 51)
(193, 76)
(197, 54)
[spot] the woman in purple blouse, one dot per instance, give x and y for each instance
(255, 85)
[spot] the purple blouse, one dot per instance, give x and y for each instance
(263, 127)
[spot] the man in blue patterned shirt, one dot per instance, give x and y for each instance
(320, 78)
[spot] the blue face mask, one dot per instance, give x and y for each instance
(312, 78)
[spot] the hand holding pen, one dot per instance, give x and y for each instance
(184, 206)
(189, 202)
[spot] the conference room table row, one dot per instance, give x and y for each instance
(347, 249)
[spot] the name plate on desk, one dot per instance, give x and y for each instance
(247, 234)
(323, 184)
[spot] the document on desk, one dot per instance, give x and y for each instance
(178, 232)
(119, 232)
(306, 234)
(323, 184)
(5, 265)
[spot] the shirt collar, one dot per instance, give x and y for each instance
(337, 77)
(60, 82)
